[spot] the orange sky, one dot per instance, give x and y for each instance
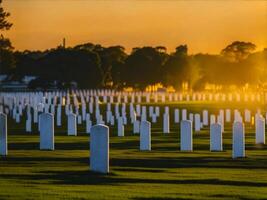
(205, 26)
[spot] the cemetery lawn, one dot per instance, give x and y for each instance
(163, 173)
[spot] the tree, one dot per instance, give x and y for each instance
(177, 69)
(144, 67)
(238, 51)
(6, 57)
(112, 62)
(4, 24)
(67, 65)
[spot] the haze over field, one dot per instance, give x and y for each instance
(205, 26)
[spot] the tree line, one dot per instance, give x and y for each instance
(93, 66)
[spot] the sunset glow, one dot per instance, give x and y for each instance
(205, 26)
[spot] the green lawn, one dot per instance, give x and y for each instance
(163, 173)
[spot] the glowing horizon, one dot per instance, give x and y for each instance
(205, 26)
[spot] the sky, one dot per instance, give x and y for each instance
(205, 26)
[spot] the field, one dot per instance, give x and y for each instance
(164, 173)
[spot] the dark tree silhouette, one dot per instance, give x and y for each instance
(93, 66)
(144, 66)
(7, 62)
(177, 68)
(238, 51)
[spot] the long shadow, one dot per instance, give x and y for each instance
(90, 178)
(157, 163)
(58, 146)
(161, 198)
(28, 160)
(133, 144)
(226, 196)
(189, 162)
(23, 145)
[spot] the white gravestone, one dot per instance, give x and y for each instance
(197, 122)
(216, 137)
(186, 136)
(136, 127)
(176, 116)
(166, 123)
(184, 114)
(72, 124)
(88, 123)
(59, 115)
(205, 118)
(212, 119)
(238, 140)
(29, 125)
(120, 127)
(3, 134)
(99, 148)
(46, 131)
(260, 130)
(228, 115)
(145, 136)
(247, 116)
(79, 119)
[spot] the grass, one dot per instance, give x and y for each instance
(163, 173)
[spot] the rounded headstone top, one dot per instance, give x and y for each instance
(99, 127)
(186, 121)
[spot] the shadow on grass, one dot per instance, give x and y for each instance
(191, 162)
(226, 196)
(42, 160)
(91, 178)
(161, 198)
(58, 146)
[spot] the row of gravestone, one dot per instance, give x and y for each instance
(64, 97)
(99, 139)
(154, 113)
(45, 103)
(122, 120)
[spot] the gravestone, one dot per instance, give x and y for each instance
(136, 127)
(17, 118)
(120, 127)
(247, 116)
(145, 136)
(186, 136)
(216, 137)
(260, 130)
(191, 117)
(205, 118)
(3, 134)
(35, 115)
(88, 123)
(238, 140)
(46, 131)
(79, 119)
(176, 116)
(72, 124)
(99, 149)
(184, 114)
(212, 119)
(197, 122)
(228, 115)
(166, 123)
(59, 115)
(154, 118)
(29, 125)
